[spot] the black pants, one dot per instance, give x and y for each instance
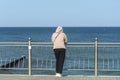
(60, 57)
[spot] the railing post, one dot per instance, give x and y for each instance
(29, 57)
(96, 57)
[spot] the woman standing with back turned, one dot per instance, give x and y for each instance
(59, 40)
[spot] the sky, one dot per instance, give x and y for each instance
(41, 13)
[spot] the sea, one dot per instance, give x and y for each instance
(74, 34)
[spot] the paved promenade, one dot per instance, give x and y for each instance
(51, 77)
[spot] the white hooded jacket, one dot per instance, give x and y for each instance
(59, 38)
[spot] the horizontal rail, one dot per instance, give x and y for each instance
(50, 43)
(13, 43)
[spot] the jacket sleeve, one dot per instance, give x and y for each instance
(52, 38)
(65, 39)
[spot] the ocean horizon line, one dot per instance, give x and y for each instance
(56, 26)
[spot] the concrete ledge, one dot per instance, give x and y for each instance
(52, 77)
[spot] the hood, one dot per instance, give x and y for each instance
(59, 29)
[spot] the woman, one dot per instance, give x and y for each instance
(59, 40)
